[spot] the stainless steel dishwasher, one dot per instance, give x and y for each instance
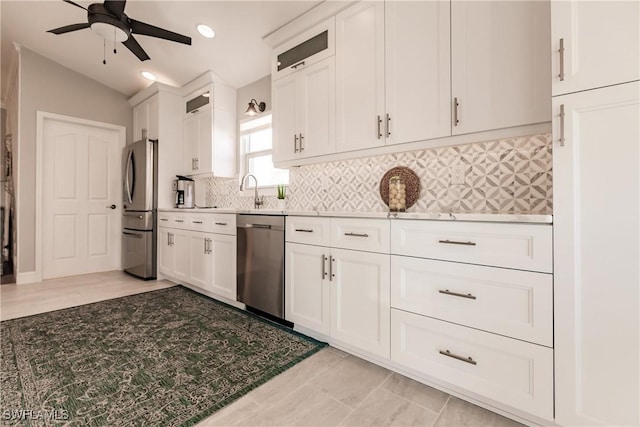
(260, 258)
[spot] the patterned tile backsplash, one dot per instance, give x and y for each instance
(511, 175)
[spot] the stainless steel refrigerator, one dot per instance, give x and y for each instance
(140, 195)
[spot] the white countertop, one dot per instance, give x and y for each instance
(476, 217)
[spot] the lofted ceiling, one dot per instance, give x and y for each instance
(237, 53)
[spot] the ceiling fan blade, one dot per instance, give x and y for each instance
(69, 28)
(116, 7)
(144, 29)
(75, 4)
(135, 47)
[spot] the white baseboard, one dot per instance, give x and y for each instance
(28, 277)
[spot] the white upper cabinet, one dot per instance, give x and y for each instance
(304, 112)
(209, 131)
(594, 43)
(146, 116)
(285, 95)
(500, 64)
(596, 163)
(360, 76)
(417, 70)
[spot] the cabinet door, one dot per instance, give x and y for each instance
(140, 120)
(500, 62)
(285, 110)
(360, 76)
(223, 248)
(317, 102)
(360, 300)
(417, 70)
(600, 40)
(204, 156)
(306, 287)
(191, 132)
(146, 115)
(200, 260)
(165, 251)
(596, 251)
(181, 250)
(153, 117)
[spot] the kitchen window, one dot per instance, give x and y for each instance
(257, 150)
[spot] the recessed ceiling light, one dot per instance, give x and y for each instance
(149, 76)
(206, 31)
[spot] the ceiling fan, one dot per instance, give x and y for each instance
(109, 21)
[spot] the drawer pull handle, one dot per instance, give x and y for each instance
(456, 294)
(179, 220)
(221, 223)
(164, 219)
(455, 242)
(304, 230)
(357, 234)
(299, 64)
(197, 222)
(460, 358)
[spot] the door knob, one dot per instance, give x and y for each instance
(111, 207)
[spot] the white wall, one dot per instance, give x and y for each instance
(48, 86)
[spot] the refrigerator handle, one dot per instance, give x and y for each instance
(126, 177)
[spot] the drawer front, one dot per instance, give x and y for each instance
(223, 223)
(180, 221)
(520, 246)
(199, 222)
(371, 235)
(165, 219)
(308, 230)
(513, 372)
(515, 303)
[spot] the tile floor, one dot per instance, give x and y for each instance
(330, 388)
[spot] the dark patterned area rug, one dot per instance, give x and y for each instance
(164, 358)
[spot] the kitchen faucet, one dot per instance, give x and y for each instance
(257, 200)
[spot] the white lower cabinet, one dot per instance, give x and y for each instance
(360, 299)
(203, 259)
(200, 259)
(506, 370)
(173, 252)
(165, 251)
(307, 287)
(223, 251)
(340, 293)
(467, 305)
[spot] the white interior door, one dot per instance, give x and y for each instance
(81, 180)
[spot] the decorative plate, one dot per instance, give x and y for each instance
(411, 181)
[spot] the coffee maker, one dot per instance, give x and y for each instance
(184, 192)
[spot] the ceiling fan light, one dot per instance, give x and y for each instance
(149, 76)
(109, 32)
(206, 31)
